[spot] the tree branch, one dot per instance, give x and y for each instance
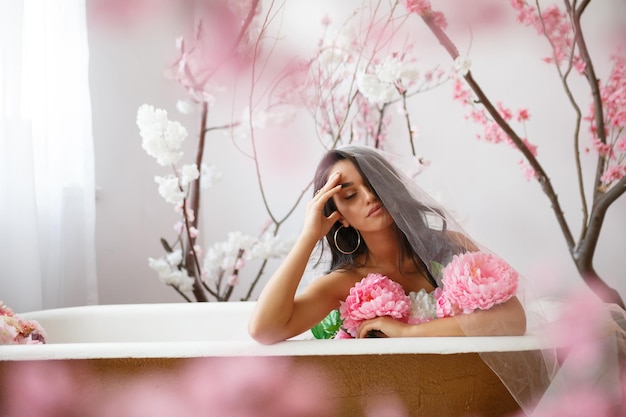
(542, 177)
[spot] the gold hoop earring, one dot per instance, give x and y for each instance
(358, 243)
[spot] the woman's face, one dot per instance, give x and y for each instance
(356, 202)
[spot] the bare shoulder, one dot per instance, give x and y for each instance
(336, 283)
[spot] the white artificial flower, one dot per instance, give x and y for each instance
(184, 106)
(175, 257)
(189, 173)
(210, 176)
(212, 262)
(237, 240)
(269, 246)
(375, 90)
(8, 332)
(409, 73)
(169, 189)
(462, 65)
(281, 116)
(331, 56)
(170, 274)
(337, 50)
(382, 86)
(178, 42)
(160, 265)
(223, 256)
(423, 305)
(161, 138)
(389, 70)
(184, 282)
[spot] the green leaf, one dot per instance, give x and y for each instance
(436, 269)
(328, 328)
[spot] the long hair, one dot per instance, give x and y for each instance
(347, 238)
(417, 239)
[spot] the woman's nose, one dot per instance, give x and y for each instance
(369, 194)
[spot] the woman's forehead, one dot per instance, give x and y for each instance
(345, 167)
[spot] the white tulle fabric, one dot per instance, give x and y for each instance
(435, 236)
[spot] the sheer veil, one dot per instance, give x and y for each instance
(435, 236)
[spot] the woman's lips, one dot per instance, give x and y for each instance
(375, 211)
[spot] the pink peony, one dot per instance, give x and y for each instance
(475, 280)
(374, 296)
(15, 330)
(443, 307)
(342, 334)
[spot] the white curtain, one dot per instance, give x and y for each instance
(47, 192)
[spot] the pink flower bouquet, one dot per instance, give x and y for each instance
(374, 296)
(16, 331)
(475, 280)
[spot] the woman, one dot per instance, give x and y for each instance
(375, 221)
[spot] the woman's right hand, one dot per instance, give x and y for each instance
(316, 224)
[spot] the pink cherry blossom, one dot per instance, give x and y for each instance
(423, 8)
(529, 172)
(492, 132)
(374, 296)
(615, 173)
(523, 115)
(418, 6)
(612, 146)
(555, 25)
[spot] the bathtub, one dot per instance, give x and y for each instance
(442, 376)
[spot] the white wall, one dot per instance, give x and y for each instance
(479, 181)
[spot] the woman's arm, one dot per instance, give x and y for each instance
(506, 319)
(279, 314)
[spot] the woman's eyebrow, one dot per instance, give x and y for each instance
(346, 184)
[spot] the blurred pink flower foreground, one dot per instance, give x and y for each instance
(197, 387)
(374, 296)
(475, 280)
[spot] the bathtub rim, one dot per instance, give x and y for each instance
(303, 345)
(397, 346)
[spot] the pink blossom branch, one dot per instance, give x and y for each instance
(191, 258)
(222, 127)
(379, 129)
(542, 178)
(275, 220)
(568, 92)
(408, 124)
(229, 290)
(592, 79)
(585, 251)
(244, 28)
(252, 137)
(582, 253)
